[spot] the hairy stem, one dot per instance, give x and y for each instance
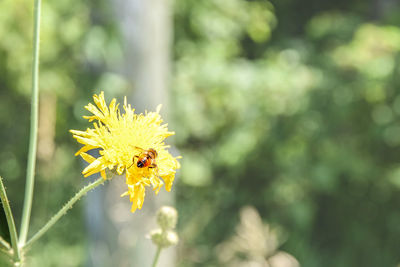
(10, 222)
(30, 174)
(63, 210)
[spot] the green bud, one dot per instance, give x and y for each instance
(164, 239)
(167, 217)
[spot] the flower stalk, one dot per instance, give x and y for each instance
(10, 222)
(63, 210)
(30, 174)
(156, 256)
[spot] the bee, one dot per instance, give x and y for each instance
(146, 158)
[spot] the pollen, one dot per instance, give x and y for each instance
(121, 138)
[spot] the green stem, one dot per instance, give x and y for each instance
(10, 221)
(4, 243)
(156, 257)
(30, 174)
(63, 211)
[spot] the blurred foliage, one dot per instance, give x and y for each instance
(301, 123)
(78, 43)
(255, 244)
(288, 106)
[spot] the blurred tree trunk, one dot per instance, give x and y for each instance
(118, 238)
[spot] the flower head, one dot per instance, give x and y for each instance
(124, 140)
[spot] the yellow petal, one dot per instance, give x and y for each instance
(85, 148)
(88, 158)
(94, 167)
(103, 174)
(86, 141)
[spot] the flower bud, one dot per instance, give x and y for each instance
(167, 217)
(164, 239)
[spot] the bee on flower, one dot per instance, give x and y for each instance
(130, 143)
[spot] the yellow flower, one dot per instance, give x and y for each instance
(122, 140)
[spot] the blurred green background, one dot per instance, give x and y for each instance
(289, 106)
